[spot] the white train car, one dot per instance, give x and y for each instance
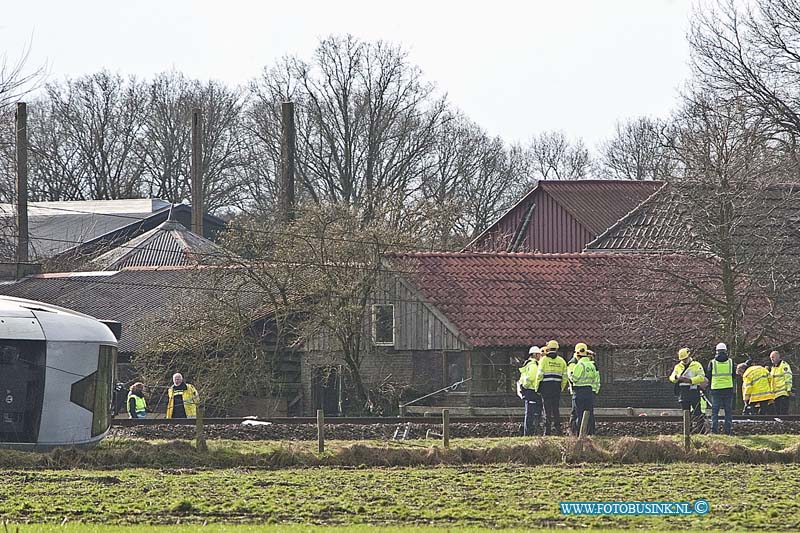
(57, 369)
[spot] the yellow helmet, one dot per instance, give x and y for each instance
(552, 345)
(683, 353)
(581, 349)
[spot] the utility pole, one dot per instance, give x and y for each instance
(197, 171)
(286, 200)
(22, 182)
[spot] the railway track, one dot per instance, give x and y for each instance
(366, 421)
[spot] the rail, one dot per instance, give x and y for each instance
(372, 420)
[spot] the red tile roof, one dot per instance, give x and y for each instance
(519, 299)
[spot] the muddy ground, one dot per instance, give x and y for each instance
(419, 431)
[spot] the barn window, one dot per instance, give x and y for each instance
(494, 372)
(383, 324)
(455, 371)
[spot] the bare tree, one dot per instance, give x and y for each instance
(552, 156)
(638, 151)
(725, 235)
(16, 78)
(750, 53)
(324, 270)
(164, 147)
(370, 120)
(471, 179)
(57, 169)
(103, 115)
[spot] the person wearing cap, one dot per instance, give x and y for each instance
(525, 390)
(756, 387)
(688, 375)
(551, 380)
(781, 374)
(720, 375)
(585, 384)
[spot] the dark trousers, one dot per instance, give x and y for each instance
(690, 400)
(552, 422)
(573, 418)
(533, 418)
(721, 399)
(583, 398)
(782, 405)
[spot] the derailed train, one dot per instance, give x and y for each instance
(57, 370)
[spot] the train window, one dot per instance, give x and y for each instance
(22, 371)
(95, 392)
(104, 390)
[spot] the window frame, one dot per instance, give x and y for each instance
(375, 340)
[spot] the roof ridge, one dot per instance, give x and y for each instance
(625, 218)
(507, 211)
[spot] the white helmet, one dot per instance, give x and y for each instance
(721, 346)
(534, 350)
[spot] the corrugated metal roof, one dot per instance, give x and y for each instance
(135, 296)
(680, 219)
(169, 244)
(75, 227)
(598, 204)
(563, 216)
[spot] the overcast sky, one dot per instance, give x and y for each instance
(515, 67)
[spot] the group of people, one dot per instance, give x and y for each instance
(183, 399)
(764, 390)
(543, 378)
(545, 375)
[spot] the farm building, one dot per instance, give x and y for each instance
(82, 228)
(151, 285)
(562, 216)
(439, 318)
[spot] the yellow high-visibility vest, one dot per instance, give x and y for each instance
(781, 379)
(721, 374)
(527, 374)
(757, 385)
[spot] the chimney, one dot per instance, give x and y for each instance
(286, 199)
(22, 182)
(197, 171)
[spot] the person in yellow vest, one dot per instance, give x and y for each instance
(781, 374)
(136, 404)
(720, 374)
(183, 399)
(551, 380)
(756, 387)
(585, 380)
(525, 390)
(688, 375)
(573, 412)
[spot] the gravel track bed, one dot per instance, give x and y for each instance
(418, 431)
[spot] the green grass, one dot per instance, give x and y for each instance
(494, 496)
(478, 483)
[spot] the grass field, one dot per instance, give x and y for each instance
(248, 498)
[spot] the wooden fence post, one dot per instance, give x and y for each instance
(446, 428)
(321, 430)
(200, 437)
(687, 429)
(584, 430)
